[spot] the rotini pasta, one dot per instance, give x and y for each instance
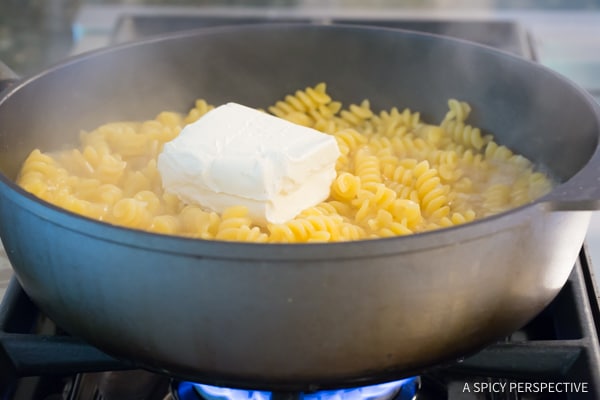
(396, 175)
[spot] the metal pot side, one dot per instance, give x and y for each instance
(300, 316)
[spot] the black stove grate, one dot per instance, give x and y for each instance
(39, 361)
(559, 347)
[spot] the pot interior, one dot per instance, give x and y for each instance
(528, 108)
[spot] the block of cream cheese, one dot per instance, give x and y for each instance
(237, 155)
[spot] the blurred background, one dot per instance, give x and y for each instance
(38, 33)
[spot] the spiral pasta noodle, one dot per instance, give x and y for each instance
(396, 175)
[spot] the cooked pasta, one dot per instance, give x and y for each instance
(396, 175)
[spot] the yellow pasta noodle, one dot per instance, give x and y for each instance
(396, 175)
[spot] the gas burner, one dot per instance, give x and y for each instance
(404, 389)
(40, 361)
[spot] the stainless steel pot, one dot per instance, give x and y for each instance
(306, 315)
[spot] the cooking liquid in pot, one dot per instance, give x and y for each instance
(396, 175)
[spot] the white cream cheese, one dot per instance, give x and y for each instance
(236, 155)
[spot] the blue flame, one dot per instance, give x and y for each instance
(404, 389)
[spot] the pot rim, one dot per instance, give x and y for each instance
(367, 248)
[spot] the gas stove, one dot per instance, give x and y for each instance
(555, 356)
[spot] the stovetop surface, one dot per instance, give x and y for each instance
(558, 346)
(506, 35)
